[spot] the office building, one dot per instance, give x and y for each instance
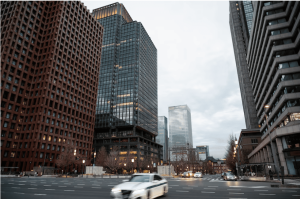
(180, 127)
(50, 60)
(126, 112)
(202, 152)
(162, 137)
(272, 60)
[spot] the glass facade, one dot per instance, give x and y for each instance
(203, 152)
(127, 89)
(162, 137)
(180, 127)
(248, 8)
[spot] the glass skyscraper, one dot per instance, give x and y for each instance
(180, 127)
(126, 108)
(162, 137)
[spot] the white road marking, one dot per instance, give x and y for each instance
(31, 188)
(80, 184)
(49, 189)
(18, 193)
(264, 194)
(69, 190)
(233, 189)
(21, 184)
(16, 187)
(47, 185)
(235, 193)
(40, 194)
(207, 192)
(181, 191)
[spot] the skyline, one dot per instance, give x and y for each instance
(212, 92)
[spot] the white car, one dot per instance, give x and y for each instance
(198, 175)
(141, 186)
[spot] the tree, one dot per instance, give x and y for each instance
(66, 158)
(112, 161)
(101, 157)
(230, 155)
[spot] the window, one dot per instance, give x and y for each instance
(254, 141)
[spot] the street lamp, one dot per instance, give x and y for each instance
(83, 161)
(273, 150)
(94, 162)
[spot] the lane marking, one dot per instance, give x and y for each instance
(233, 189)
(21, 184)
(80, 184)
(235, 193)
(18, 193)
(16, 187)
(47, 185)
(264, 194)
(31, 188)
(207, 192)
(181, 191)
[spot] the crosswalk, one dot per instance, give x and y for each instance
(198, 179)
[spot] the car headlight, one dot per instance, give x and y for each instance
(115, 190)
(140, 191)
(235, 176)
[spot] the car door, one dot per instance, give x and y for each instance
(159, 185)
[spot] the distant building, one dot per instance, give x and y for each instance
(162, 137)
(247, 141)
(203, 152)
(214, 166)
(180, 127)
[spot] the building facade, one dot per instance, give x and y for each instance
(162, 137)
(180, 127)
(247, 142)
(126, 112)
(272, 59)
(240, 21)
(202, 151)
(50, 61)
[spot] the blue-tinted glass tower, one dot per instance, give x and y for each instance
(126, 111)
(162, 137)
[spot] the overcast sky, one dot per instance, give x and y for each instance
(196, 64)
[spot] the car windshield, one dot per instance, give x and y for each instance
(140, 178)
(185, 172)
(198, 173)
(230, 174)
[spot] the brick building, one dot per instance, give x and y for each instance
(50, 62)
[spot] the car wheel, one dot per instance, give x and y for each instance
(148, 195)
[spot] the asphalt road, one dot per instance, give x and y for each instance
(91, 188)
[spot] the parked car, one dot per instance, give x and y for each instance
(229, 176)
(187, 174)
(142, 186)
(198, 175)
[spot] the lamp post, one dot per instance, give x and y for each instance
(238, 156)
(83, 161)
(94, 162)
(272, 149)
(132, 160)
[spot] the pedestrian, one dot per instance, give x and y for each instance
(271, 175)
